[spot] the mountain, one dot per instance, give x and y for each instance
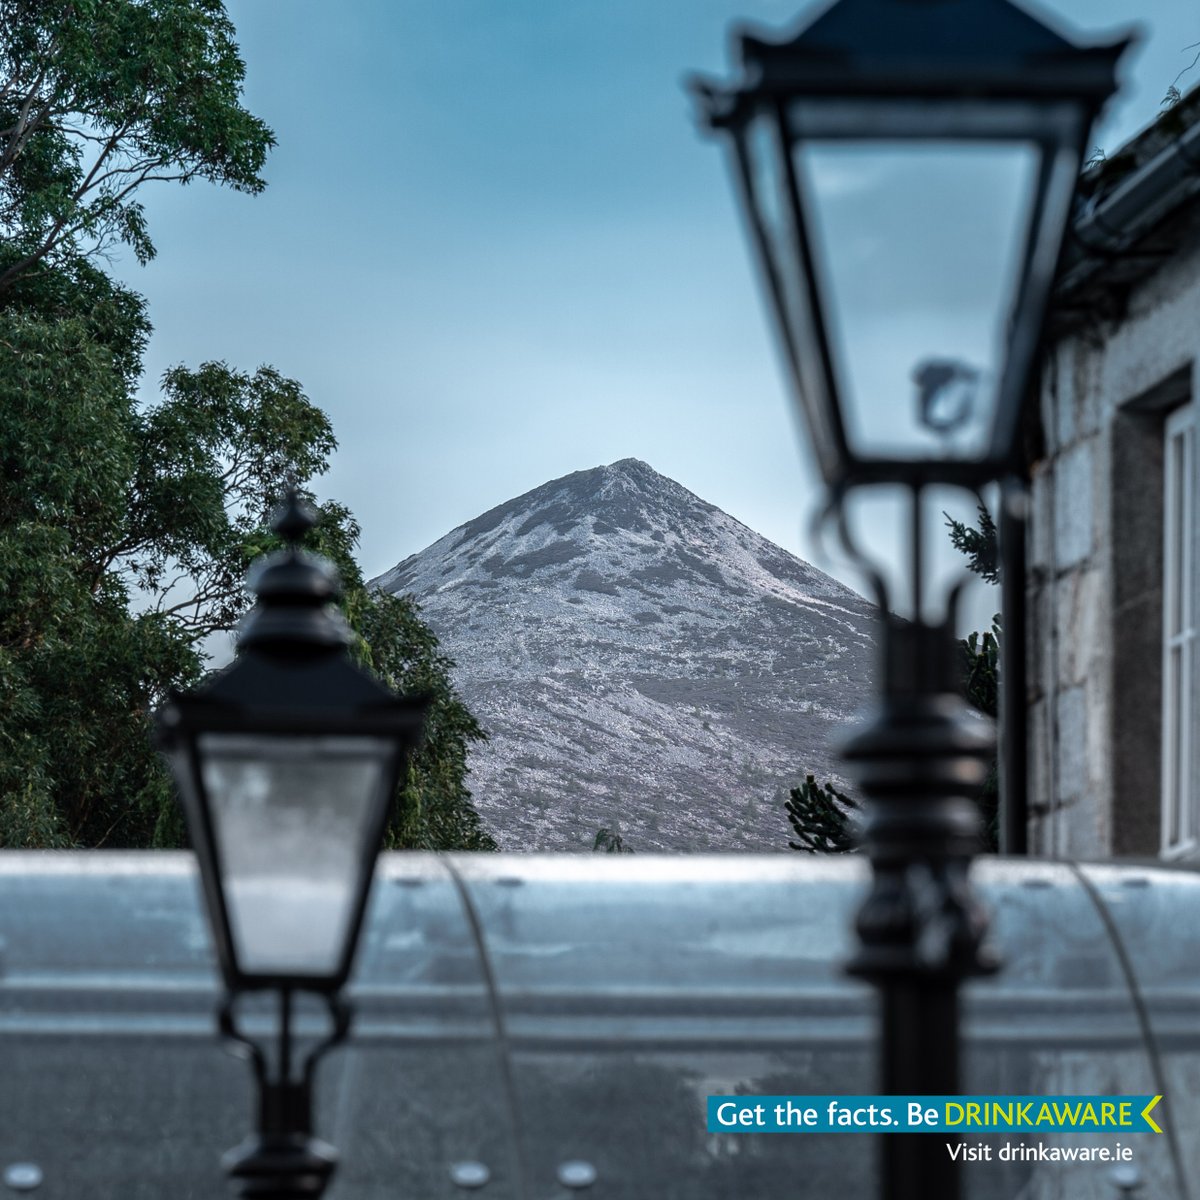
(642, 661)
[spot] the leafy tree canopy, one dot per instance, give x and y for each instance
(78, 670)
(126, 532)
(97, 98)
(125, 537)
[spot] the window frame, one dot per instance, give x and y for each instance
(1180, 804)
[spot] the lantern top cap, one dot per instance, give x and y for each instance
(296, 591)
(294, 517)
(922, 49)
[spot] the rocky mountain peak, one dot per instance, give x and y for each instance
(631, 648)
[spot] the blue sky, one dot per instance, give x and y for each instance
(495, 250)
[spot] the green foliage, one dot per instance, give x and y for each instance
(821, 818)
(113, 317)
(212, 459)
(980, 658)
(609, 841)
(75, 666)
(125, 533)
(99, 97)
(980, 663)
(979, 545)
(101, 504)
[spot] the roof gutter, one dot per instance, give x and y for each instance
(1113, 222)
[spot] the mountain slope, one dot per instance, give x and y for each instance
(642, 661)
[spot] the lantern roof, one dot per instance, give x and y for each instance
(915, 49)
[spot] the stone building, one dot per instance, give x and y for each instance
(1113, 531)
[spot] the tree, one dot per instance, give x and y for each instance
(101, 506)
(980, 656)
(97, 98)
(610, 841)
(125, 533)
(77, 668)
(819, 814)
(821, 818)
(980, 545)
(210, 462)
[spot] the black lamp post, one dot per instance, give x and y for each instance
(906, 169)
(286, 764)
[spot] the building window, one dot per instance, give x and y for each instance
(1180, 803)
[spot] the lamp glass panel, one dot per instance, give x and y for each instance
(785, 261)
(292, 818)
(919, 247)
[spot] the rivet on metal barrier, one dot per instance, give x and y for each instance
(576, 1175)
(1126, 1178)
(469, 1175)
(23, 1177)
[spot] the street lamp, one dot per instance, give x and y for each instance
(286, 765)
(906, 168)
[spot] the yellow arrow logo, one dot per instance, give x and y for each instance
(1148, 1118)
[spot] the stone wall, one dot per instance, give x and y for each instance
(1095, 566)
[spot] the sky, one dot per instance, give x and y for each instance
(495, 249)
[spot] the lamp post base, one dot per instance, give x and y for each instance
(922, 930)
(282, 1160)
(283, 1167)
